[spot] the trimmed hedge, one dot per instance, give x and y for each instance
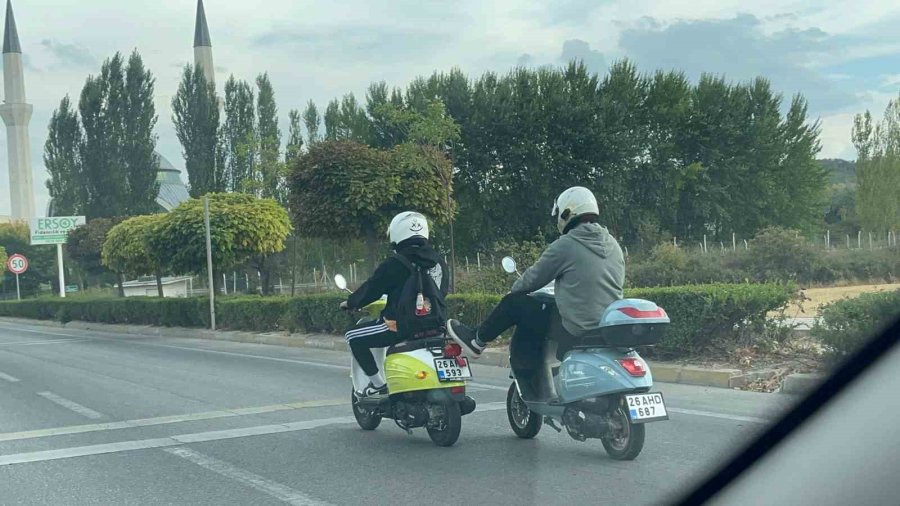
(702, 315)
(847, 324)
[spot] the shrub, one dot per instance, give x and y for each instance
(847, 324)
(779, 254)
(702, 315)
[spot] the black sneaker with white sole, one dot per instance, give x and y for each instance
(466, 337)
(371, 392)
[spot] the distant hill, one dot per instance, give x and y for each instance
(839, 171)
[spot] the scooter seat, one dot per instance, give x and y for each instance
(416, 344)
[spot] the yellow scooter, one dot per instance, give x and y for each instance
(426, 384)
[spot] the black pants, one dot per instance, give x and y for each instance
(532, 319)
(368, 335)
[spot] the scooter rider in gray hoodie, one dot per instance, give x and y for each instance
(587, 266)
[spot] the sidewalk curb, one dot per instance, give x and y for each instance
(499, 357)
(691, 375)
(801, 383)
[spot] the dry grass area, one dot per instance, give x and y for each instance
(814, 298)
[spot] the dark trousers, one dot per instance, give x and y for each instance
(368, 335)
(532, 319)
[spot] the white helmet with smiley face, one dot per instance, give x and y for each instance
(407, 225)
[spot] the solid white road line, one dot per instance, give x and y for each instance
(268, 487)
(52, 341)
(165, 420)
(739, 418)
(7, 377)
(198, 437)
(143, 444)
(71, 405)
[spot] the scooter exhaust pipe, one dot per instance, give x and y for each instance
(467, 405)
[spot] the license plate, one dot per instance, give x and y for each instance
(452, 369)
(644, 408)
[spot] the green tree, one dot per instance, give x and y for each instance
(85, 244)
(241, 226)
(139, 158)
(106, 165)
(661, 153)
(62, 158)
(271, 168)
(365, 187)
(878, 169)
(195, 113)
(332, 121)
(343, 189)
(126, 248)
(239, 136)
(294, 147)
(311, 121)
(101, 111)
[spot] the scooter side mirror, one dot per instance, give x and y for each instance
(340, 281)
(508, 264)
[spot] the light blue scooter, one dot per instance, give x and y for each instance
(596, 386)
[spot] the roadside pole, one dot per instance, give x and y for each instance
(209, 267)
(62, 275)
(17, 264)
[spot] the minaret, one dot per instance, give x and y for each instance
(202, 45)
(16, 114)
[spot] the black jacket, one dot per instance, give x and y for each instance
(391, 274)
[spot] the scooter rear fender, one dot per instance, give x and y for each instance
(595, 372)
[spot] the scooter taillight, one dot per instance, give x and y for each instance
(452, 350)
(634, 366)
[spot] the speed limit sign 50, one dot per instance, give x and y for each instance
(17, 264)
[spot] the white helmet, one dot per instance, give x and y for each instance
(407, 225)
(572, 203)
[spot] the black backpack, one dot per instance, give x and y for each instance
(421, 310)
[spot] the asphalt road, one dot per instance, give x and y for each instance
(94, 418)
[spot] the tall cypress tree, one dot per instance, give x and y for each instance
(271, 170)
(239, 137)
(62, 158)
(141, 163)
(292, 149)
(195, 113)
(312, 122)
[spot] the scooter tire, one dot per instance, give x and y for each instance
(448, 435)
(530, 426)
(633, 444)
(364, 418)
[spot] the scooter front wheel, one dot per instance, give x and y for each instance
(626, 440)
(446, 431)
(365, 418)
(524, 422)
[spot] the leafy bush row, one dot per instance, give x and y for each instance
(847, 324)
(774, 255)
(702, 315)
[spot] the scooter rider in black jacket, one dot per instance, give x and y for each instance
(408, 234)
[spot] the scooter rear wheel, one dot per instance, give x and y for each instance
(365, 418)
(627, 441)
(524, 422)
(448, 432)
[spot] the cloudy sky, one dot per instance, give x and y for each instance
(844, 56)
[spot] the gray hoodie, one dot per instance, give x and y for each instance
(589, 270)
